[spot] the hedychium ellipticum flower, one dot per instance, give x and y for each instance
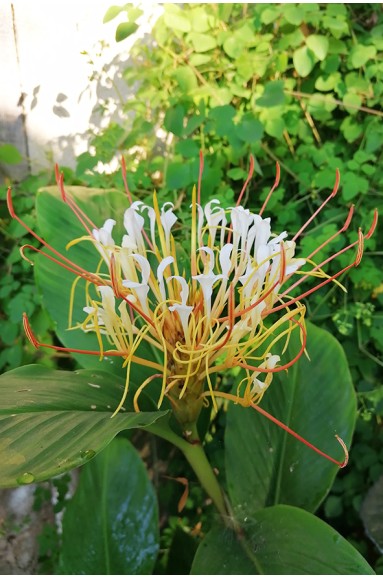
(238, 295)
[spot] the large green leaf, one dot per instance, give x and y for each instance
(316, 399)
(53, 421)
(279, 540)
(58, 226)
(116, 503)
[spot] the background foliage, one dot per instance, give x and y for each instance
(297, 83)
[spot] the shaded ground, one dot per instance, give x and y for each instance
(19, 529)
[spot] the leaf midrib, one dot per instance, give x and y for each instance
(282, 453)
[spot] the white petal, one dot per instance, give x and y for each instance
(152, 218)
(210, 252)
(133, 223)
(184, 293)
(104, 234)
(207, 282)
(200, 221)
(258, 386)
(141, 290)
(107, 296)
(128, 243)
(184, 312)
(160, 274)
(224, 259)
(278, 239)
(168, 219)
(294, 265)
(263, 231)
(272, 360)
(214, 216)
(145, 266)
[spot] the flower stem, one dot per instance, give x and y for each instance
(195, 455)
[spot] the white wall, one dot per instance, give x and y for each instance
(41, 42)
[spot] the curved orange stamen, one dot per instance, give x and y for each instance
(355, 263)
(315, 213)
(38, 238)
(137, 310)
(28, 331)
(359, 253)
(113, 353)
(113, 276)
(286, 365)
(250, 307)
(343, 229)
(123, 171)
(76, 210)
(32, 338)
(248, 178)
(373, 225)
(302, 439)
(276, 183)
(88, 276)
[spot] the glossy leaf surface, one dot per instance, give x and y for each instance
(279, 540)
(53, 421)
(111, 524)
(316, 399)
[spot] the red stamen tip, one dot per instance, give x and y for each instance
(248, 178)
(29, 332)
(276, 183)
(123, 165)
(201, 160)
(10, 203)
(373, 225)
(113, 276)
(22, 249)
(57, 174)
(345, 461)
(61, 187)
(337, 181)
(348, 220)
(124, 178)
(251, 168)
(277, 174)
(359, 253)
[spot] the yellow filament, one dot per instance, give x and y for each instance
(71, 300)
(159, 224)
(140, 389)
(209, 383)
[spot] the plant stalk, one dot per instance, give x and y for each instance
(195, 455)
